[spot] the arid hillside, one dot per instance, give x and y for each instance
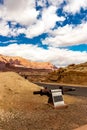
(13, 87)
(72, 74)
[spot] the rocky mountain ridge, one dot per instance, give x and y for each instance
(21, 62)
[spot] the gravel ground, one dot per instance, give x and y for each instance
(40, 116)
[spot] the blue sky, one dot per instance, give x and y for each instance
(44, 30)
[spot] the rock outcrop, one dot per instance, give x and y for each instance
(72, 74)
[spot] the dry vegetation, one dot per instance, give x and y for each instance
(21, 110)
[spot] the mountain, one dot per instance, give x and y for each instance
(21, 62)
(33, 71)
(72, 74)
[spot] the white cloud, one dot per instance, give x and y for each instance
(59, 57)
(50, 2)
(4, 28)
(55, 2)
(20, 11)
(41, 3)
(74, 6)
(16, 31)
(24, 13)
(46, 23)
(67, 36)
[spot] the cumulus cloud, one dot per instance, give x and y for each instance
(59, 57)
(34, 22)
(50, 2)
(74, 6)
(24, 13)
(46, 23)
(20, 11)
(4, 28)
(67, 36)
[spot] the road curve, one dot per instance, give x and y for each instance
(80, 91)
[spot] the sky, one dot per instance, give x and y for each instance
(44, 30)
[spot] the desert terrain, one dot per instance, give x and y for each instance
(72, 74)
(21, 110)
